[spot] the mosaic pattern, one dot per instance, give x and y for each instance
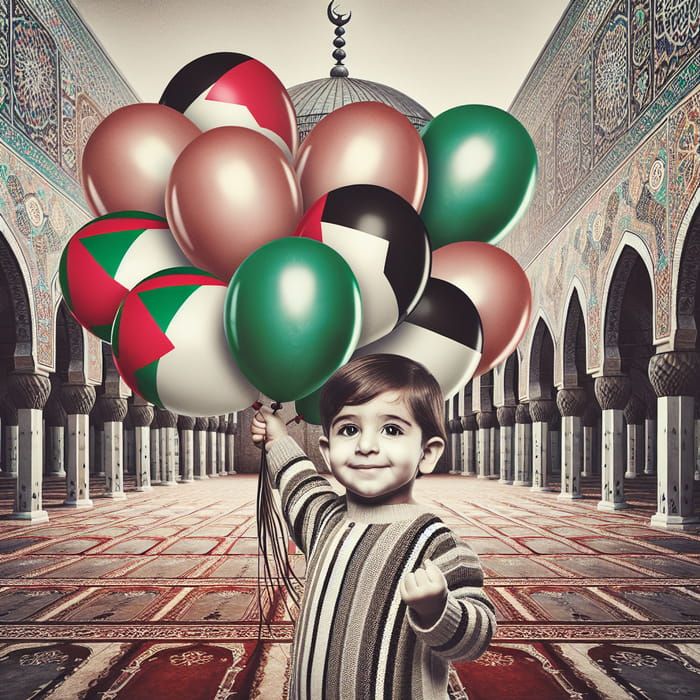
(56, 84)
(618, 148)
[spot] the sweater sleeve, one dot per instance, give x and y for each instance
(308, 500)
(467, 624)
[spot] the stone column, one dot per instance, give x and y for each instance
(141, 414)
(506, 421)
(613, 393)
(54, 425)
(571, 402)
(167, 422)
(10, 427)
(212, 444)
(674, 377)
(129, 442)
(156, 465)
(231, 443)
(200, 448)
(469, 427)
(77, 401)
(29, 393)
(113, 410)
(554, 466)
(523, 446)
(541, 411)
(221, 445)
(650, 444)
(185, 425)
(454, 432)
(590, 442)
(634, 412)
(697, 437)
(485, 420)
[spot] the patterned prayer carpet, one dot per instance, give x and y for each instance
(155, 596)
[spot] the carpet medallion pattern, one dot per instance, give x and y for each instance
(156, 596)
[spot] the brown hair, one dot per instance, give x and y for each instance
(364, 378)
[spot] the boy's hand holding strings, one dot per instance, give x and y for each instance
(423, 590)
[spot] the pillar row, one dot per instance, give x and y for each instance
(112, 410)
(142, 413)
(541, 412)
(571, 402)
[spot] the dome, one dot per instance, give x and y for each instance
(317, 98)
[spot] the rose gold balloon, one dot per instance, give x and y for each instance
(363, 143)
(127, 159)
(499, 288)
(231, 191)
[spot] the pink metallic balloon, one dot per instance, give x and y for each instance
(127, 159)
(231, 191)
(499, 288)
(363, 143)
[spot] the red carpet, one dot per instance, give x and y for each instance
(155, 596)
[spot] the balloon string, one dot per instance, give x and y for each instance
(274, 567)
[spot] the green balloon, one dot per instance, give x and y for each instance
(482, 168)
(292, 316)
(308, 408)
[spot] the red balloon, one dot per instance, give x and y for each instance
(499, 288)
(127, 159)
(231, 191)
(363, 143)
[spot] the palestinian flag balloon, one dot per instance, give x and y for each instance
(232, 89)
(169, 345)
(443, 333)
(383, 240)
(107, 257)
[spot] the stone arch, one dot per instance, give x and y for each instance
(17, 312)
(541, 362)
(632, 256)
(573, 342)
(686, 274)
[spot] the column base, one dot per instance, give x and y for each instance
(116, 495)
(168, 483)
(631, 475)
(612, 507)
(144, 489)
(674, 522)
(79, 503)
(522, 483)
(542, 489)
(506, 481)
(35, 516)
(569, 496)
(57, 475)
(233, 471)
(185, 481)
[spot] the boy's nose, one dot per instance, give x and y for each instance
(366, 443)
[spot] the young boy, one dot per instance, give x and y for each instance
(391, 593)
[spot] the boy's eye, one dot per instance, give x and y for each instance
(348, 430)
(392, 430)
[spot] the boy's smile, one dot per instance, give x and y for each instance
(374, 450)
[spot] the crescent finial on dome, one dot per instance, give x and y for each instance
(339, 20)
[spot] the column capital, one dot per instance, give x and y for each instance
(213, 423)
(111, 409)
(506, 416)
(201, 423)
(674, 373)
(635, 410)
(222, 424)
(486, 419)
(571, 401)
(165, 418)
(613, 391)
(77, 399)
(186, 422)
(522, 414)
(28, 390)
(141, 414)
(542, 410)
(469, 422)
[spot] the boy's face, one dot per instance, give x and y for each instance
(375, 449)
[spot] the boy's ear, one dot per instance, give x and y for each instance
(325, 448)
(432, 451)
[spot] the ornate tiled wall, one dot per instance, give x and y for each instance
(56, 84)
(613, 105)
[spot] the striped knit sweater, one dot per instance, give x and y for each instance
(355, 638)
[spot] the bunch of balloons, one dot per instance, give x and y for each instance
(226, 259)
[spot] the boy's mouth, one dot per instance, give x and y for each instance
(368, 466)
